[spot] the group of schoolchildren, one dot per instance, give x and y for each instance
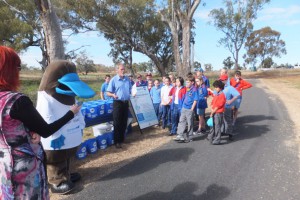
(177, 100)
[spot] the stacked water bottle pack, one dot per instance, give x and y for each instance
(103, 138)
(96, 109)
(97, 113)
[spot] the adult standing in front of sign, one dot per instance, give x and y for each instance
(119, 89)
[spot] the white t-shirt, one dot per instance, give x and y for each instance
(165, 91)
(52, 110)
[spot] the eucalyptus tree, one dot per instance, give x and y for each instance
(35, 23)
(235, 21)
(18, 24)
(135, 26)
(264, 44)
(178, 14)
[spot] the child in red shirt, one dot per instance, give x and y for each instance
(217, 112)
(239, 84)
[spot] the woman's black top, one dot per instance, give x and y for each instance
(24, 111)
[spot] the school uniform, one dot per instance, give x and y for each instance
(239, 86)
(166, 101)
(186, 116)
(178, 95)
(230, 93)
(218, 101)
(155, 94)
(104, 89)
(202, 102)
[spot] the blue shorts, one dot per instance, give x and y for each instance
(200, 111)
(237, 103)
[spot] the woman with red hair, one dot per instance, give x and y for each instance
(22, 171)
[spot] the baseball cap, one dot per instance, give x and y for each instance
(76, 86)
(223, 77)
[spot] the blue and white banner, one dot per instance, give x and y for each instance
(143, 108)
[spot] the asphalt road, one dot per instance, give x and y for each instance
(259, 164)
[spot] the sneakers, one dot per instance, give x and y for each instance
(181, 139)
(215, 143)
(178, 138)
(199, 132)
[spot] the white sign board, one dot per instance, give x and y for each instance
(143, 108)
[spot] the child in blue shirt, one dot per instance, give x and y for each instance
(201, 104)
(156, 98)
(104, 86)
(187, 111)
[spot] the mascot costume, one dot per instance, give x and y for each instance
(58, 88)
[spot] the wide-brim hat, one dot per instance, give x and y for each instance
(77, 87)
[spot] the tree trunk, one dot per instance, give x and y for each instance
(52, 30)
(181, 18)
(186, 49)
(130, 63)
(176, 50)
(236, 66)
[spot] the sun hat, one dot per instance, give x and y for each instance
(210, 122)
(76, 86)
(223, 77)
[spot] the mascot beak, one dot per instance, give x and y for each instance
(71, 85)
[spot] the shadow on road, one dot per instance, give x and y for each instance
(245, 130)
(186, 190)
(254, 118)
(153, 160)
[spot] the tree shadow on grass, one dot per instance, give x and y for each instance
(185, 191)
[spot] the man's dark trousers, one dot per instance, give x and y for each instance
(120, 116)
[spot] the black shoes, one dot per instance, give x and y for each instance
(63, 188)
(230, 137)
(74, 177)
